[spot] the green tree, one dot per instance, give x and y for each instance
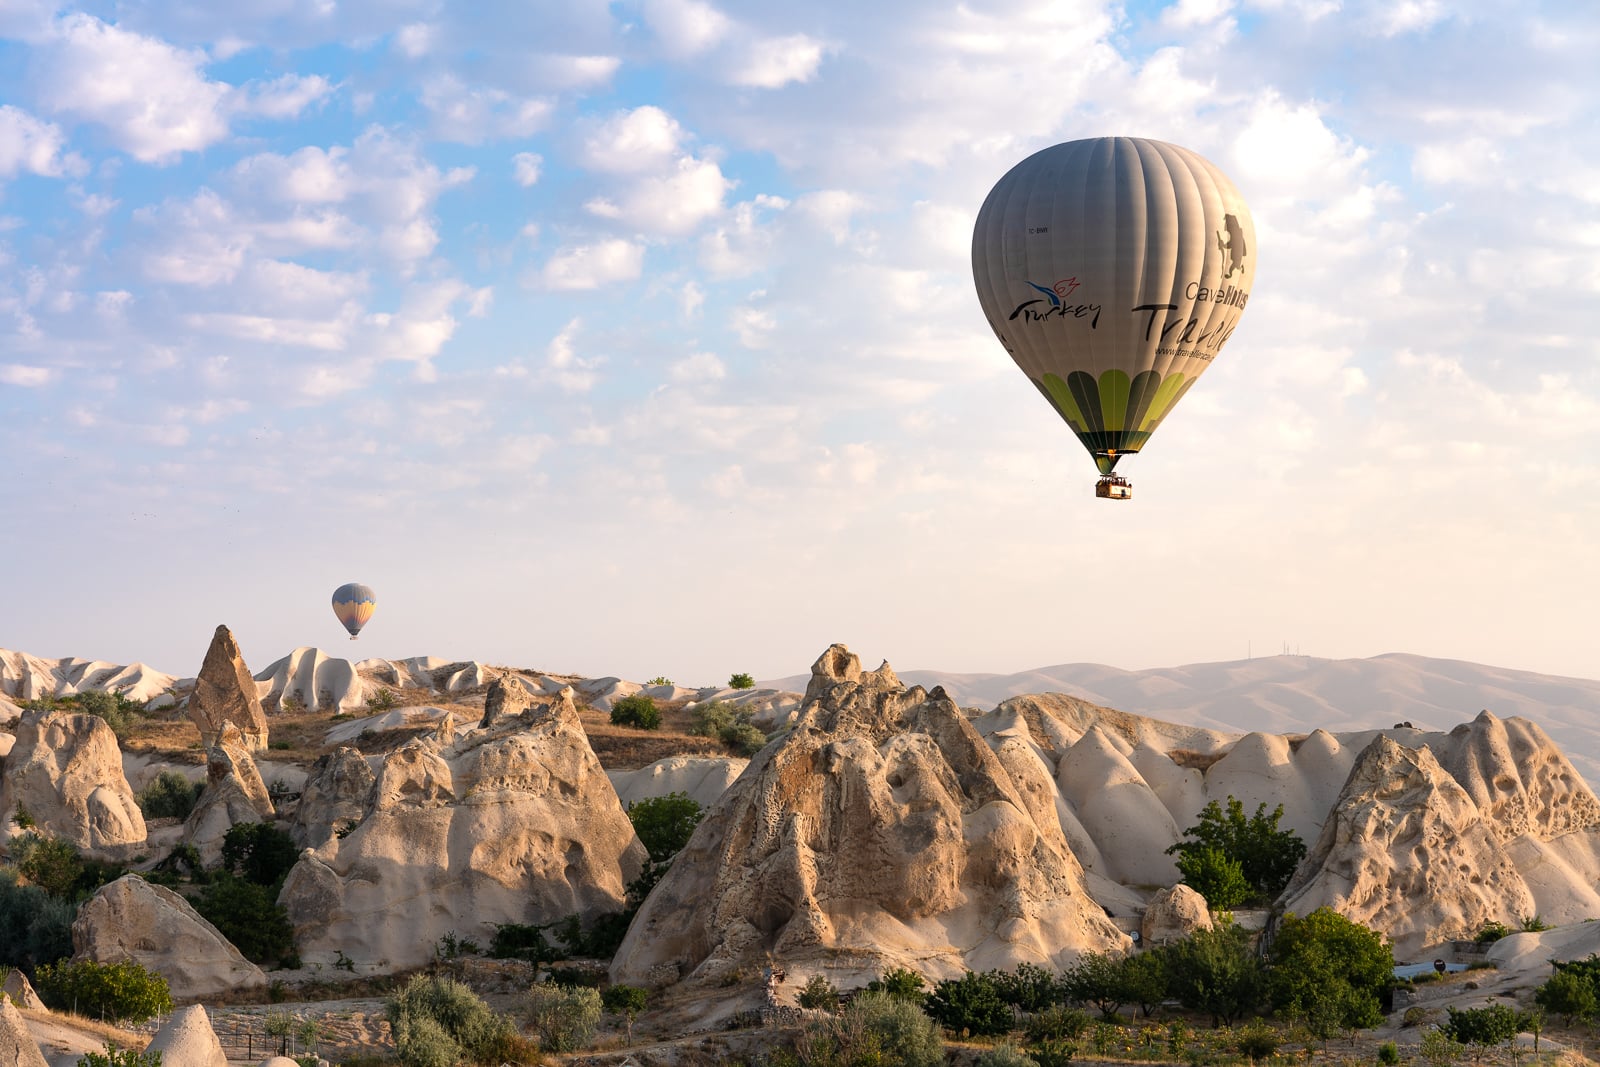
(741, 681)
(1267, 856)
(637, 710)
(664, 824)
(1216, 972)
(248, 915)
(1330, 972)
(900, 982)
(970, 1003)
(259, 852)
(818, 994)
(170, 796)
(35, 927)
(1569, 994)
(1482, 1028)
(1144, 979)
(117, 992)
(1027, 987)
(1096, 979)
(626, 1001)
(1216, 876)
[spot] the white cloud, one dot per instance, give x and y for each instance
(576, 72)
(776, 61)
(151, 96)
(1465, 161)
(1187, 14)
(1407, 16)
(24, 376)
(631, 142)
(832, 209)
(686, 27)
(700, 367)
(593, 265)
(744, 241)
(674, 203)
(473, 114)
(415, 39)
(564, 368)
(526, 167)
(32, 145)
(283, 97)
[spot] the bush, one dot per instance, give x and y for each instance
(1005, 1055)
(564, 1018)
(741, 681)
(116, 992)
(118, 711)
(438, 1021)
(383, 700)
(900, 982)
(745, 738)
(664, 824)
(1216, 876)
(114, 1056)
(249, 916)
(1491, 932)
(637, 710)
(1257, 1041)
(170, 796)
(1482, 1027)
(259, 852)
(1216, 971)
(1331, 972)
(818, 994)
(1057, 1023)
(1569, 994)
(1052, 1052)
(969, 1004)
(521, 941)
(1266, 855)
(1389, 1054)
(35, 927)
(878, 1029)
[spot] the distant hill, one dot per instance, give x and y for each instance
(1297, 694)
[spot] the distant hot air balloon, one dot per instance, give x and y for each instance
(1113, 270)
(353, 604)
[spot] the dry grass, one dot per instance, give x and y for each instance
(95, 1027)
(627, 748)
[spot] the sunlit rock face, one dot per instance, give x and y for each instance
(881, 830)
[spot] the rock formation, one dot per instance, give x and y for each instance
(26, 677)
(309, 679)
(65, 771)
(224, 692)
(187, 1039)
(21, 992)
(701, 778)
(334, 798)
(234, 794)
(882, 830)
(514, 824)
(1172, 915)
(17, 1046)
(156, 928)
(504, 700)
(1410, 851)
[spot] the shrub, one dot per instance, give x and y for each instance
(1052, 1052)
(521, 941)
(1569, 994)
(1215, 971)
(818, 994)
(259, 852)
(741, 681)
(383, 700)
(170, 796)
(1058, 1023)
(970, 1003)
(248, 915)
(564, 1018)
(626, 1001)
(35, 927)
(1257, 1041)
(745, 738)
(900, 982)
(664, 824)
(1439, 1049)
(1532, 924)
(659, 679)
(880, 1029)
(114, 1056)
(637, 710)
(1216, 876)
(1005, 1055)
(1389, 1054)
(1266, 855)
(1491, 932)
(438, 1021)
(1095, 979)
(1482, 1027)
(1330, 971)
(118, 711)
(117, 992)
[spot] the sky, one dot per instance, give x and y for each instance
(639, 338)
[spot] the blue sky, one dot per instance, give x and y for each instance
(639, 338)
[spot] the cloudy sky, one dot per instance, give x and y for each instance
(639, 337)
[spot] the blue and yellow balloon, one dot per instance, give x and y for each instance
(353, 605)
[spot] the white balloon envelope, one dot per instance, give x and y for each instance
(1113, 270)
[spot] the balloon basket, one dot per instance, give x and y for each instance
(1113, 487)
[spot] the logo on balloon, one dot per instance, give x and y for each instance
(1230, 242)
(1058, 308)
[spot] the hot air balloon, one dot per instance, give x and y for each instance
(353, 605)
(1113, 270)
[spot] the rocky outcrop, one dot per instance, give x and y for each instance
(514, 824)
(234, 794)
(156, 928)
(882, 831)
(1518, 779)
(26, 677)
(701, 778)
(225, 693)
(187, 1039)
(506, 699)
(334, 798)
(309, 679)
(1173, 915)
(21, 992)
(1406, 851)
(65, 771)
(17, 1046)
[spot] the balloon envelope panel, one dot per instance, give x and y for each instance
(1113, 270)
(353, 605)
